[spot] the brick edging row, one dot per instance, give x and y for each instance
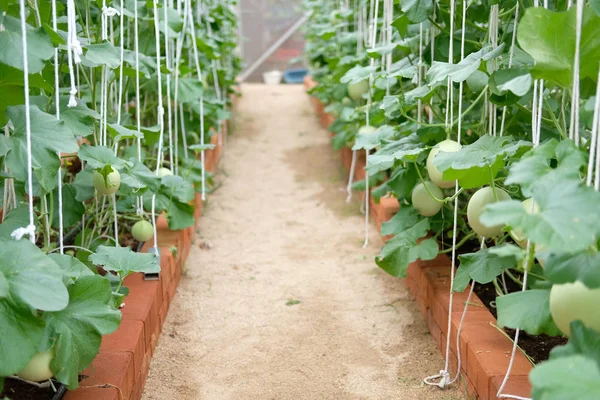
(120, 369)
(485, 350)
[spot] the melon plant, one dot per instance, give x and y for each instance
(435, 174)
(426, 198)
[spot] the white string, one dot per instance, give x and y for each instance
(351, 177)
(160, 113)
(444, 375)
(367, 112)
(29, 229)
(420, 75)
(510, 61)
(168, 64)
(574, 128)
(199, 73)
(74, 50)
(57, 102)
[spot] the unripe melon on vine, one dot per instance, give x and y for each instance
(108, 185)
(448, 146)
(357, 90)
(422, 201)
(477, 203)
(574, 301)
(367, 130)
(142, 231)
(517, 234)
(164, 172)
(38, 368)
(346, 101)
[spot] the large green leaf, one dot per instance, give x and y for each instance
(72, 209)
(20, 335)
(405, 248)
(32, 277)
(549, 37)
(16, 218)
(474, 165)
(83, 185)
(568, 219)
(124, 261)
(459, 72)
(101, 54)
(368, 141)
(482, 267)
(72, 268)
(407, 148)
(402, 181)
(99, 157)
(401, 221)
(177, 187)
(528, 310)
(515, 80)
(190, 90)
(582, 341)
(567, 267)
(39, 46)
(78, 329)
(48, 136)
(551, 160)
(573, 377)
(357, 74)
(417, 10)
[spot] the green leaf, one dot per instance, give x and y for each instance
(515, 80)
(80, 119)
(72, 268)
(357, 74)
(475, 164)
(567, 267)
(16, 218)
(549, 37)
(39, 46)
(83, 185)
(198, 148)
(101, 54)
(568, 219)
(78, 329)
(20, 335)
(124, 261)
(482, 267)
(401, 221)
(139, 176)
(99, 157)
(401, 24)
(582, 341)
(368, 141)
(72, 208)
(402, 181)
(378, 52)
(417, 10)
(552, 160)
(33, 277)
(190, 90)
(407, 148)
(176, 186)
(528, 311)
(441, 71)
(573, 377)
(120, 132)
(48, 136)
(405, 248)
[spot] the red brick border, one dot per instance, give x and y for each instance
(485, 351)
(120, 369)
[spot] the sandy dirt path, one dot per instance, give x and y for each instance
(279, 301)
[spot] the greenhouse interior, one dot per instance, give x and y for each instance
(299, 200)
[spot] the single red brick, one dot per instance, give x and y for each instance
(517, 385)
(440, 305)
(128, 338)
(115, 369)
(434, 329)
(166, 236)
(141, 305)
(493, 355)
(104, 393)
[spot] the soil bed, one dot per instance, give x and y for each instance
(537, 348)
(18, 390)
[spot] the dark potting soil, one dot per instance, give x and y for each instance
(536, 347)
(18, 390)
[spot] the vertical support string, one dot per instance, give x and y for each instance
(574, 126)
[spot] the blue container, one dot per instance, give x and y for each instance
(295, 75)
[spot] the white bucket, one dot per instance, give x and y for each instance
(272, 77)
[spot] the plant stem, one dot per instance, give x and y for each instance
(459, 244)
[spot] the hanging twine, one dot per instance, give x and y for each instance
(74, 50)
(29, 230)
